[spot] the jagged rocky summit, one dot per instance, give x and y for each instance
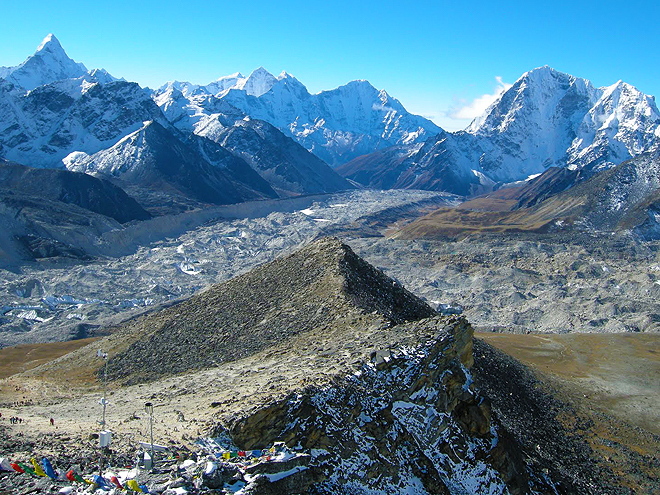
(407, 421)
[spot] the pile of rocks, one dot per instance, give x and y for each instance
(277, 471)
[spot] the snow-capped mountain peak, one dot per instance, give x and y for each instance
(184, 87)
(622, 123)
(539, 95)
(52, 44)
(225, 83)
(49, 63)
(235, 75)
(547, 118)
(336, 125)
(258, 83)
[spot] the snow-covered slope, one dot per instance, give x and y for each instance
(48, 64)
(284, 163)
(258, 83)
(623, 123)
(335, 125)
(155, 158)
(43, 126)
(546, 119)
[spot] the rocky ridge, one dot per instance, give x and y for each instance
(323, 286)
(416, 423)
(85, 191)
(159, 166)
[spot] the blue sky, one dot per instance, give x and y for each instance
(440, 59)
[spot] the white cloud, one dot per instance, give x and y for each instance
(460, 113)
(479, 105)
(383, 107)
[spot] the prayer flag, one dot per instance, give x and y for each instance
(116, 482)
(233, 454)
(48, 468)
(226, 455)
(27, 469)
(17, 468)
(83, 480)
(37, 468)
(241, 453)
(100, 481)
(132, 485)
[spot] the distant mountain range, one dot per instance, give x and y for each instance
(244, 138)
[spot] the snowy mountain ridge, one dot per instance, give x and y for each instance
(84, 114)
(545, 119)
(95, 124)
(336, 125)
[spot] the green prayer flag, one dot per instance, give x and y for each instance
(27, 469)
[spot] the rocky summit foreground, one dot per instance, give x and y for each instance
(365, 382)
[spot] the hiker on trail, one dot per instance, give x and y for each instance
(52, 422)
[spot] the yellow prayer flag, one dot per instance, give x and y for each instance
(37, 467)
(132, 485)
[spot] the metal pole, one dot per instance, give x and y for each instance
(105, 386)
(149, 408)
(153, 459)
(104, 355)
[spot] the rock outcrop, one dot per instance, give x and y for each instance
(409, 421)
